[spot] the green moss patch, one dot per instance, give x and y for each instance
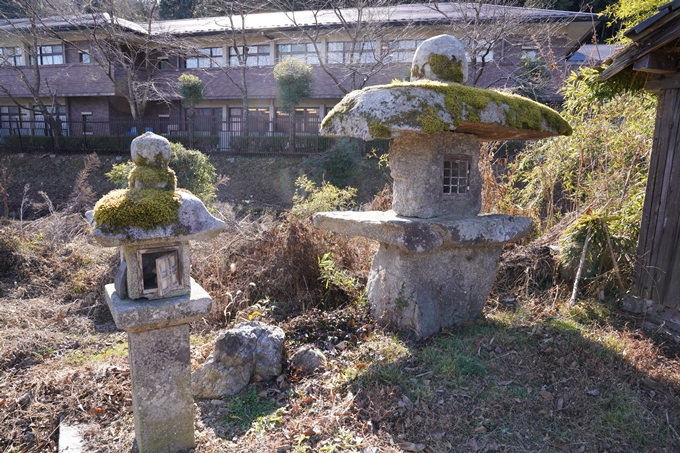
(146, 209)
(379, 130)
(432, 122)
(153, 177)
(448, 69)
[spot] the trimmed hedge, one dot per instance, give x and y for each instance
(303, 144)
(202, 143)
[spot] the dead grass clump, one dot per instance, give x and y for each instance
(382, 200)
(276, 262)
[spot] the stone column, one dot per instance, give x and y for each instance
(160, 365)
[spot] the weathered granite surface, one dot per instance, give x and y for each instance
(150, 149)
(138, 315)
(424, 292)
(388, 111)
(451, 49)
(423, 235)
(249, 348)
(160, 371)
(416, 168)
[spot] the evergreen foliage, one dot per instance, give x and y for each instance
(177, 9)
(599, 172)
(294, 82)
(629, 13)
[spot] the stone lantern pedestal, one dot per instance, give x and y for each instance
(437, 258)
(160, 365)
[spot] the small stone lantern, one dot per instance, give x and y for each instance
(437, 258)
(154, 298)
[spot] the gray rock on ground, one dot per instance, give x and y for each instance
(249, 348)
(308, 359)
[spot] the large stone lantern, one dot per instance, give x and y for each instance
(437, 258)
(154, 298)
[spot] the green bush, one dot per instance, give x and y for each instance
(303, 144)
(194, 172)
(311, 199)
(85, 143)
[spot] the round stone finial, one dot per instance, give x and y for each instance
(150, 149)
(441, 58)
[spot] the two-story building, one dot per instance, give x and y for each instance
(235, 59)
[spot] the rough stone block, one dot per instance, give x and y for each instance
(160, 369)
(138, 315)
(423, 292)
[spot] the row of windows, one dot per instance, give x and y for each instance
(45, 55)
(337, 53)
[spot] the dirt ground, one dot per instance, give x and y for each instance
(533, 374)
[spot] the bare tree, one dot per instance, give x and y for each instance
(357, 49)
(232, 19)
(128, 53)
(487, 26)
(22, 63)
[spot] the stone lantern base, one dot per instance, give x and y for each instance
(160, 365)
(429, 273)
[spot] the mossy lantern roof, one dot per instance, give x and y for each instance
(426, 106)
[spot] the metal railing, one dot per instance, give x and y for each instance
(113, 136)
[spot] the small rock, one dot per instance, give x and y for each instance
(308, 359)
(249, 349)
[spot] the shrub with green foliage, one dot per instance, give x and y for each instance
(310, 199)
(194, 172)
(601, 169)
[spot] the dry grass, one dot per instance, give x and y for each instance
(534, 375)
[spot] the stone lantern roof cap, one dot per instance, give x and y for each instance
(426, 106)
(194, 223)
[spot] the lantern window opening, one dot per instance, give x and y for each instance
(160, 270)
(456, 175)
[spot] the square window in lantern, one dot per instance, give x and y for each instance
(456, 175)
(160, 271)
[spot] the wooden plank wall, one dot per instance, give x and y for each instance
(657, 273)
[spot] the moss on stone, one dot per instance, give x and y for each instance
(152, 177)
(119, 210)
(379, 130)
(447, 69)
(432, 122)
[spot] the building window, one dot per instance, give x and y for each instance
(12, 117)
(304, 52)
(208, 120)
(11, 56)
(164, 63)
(456, 175)
(342, 53)
(88, 126)
(50, 55)
(208, 57)
(41, 127)
(254, 55)
(403, 50)
(84, 57)
(529, 54)
(482, 51)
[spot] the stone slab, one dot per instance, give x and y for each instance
(70, 439)
(141, 314)
(160, 371)
(423, 235)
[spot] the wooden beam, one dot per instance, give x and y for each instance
(657, 63)
(663, 82)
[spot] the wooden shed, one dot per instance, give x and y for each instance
(655, 51)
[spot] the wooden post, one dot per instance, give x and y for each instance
(657, 271)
